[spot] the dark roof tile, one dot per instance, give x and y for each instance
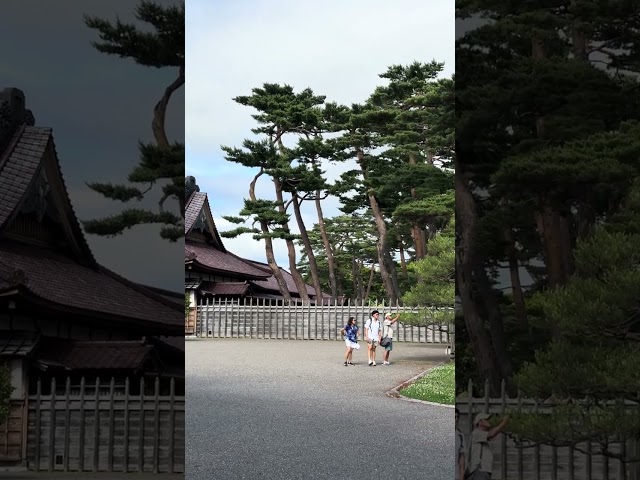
(214, 259)
(61, 280)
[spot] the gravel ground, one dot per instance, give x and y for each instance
(279, 409)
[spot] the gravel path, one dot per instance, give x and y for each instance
(278, 409)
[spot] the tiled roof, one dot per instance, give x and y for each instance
(93, 355)
(272, 284)
(192, 209)
(17, 343)
(208, 256)
(54, 277)
(225, 288)
(59, 279)
(18, 166)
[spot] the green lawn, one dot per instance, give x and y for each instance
(436, 386)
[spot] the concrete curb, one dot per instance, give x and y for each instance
(395, 392)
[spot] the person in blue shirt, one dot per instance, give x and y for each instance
(350, 332)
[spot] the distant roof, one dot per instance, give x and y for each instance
(225, 288)
(272, 284)
(225, 262)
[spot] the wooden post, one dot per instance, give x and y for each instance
(96, 437)
(67, 424)
(112, 427)
(52, 424)
(38, 422)
(82, 425)
(156, 425)
(172, 424)
(126, 425)
(141, 430)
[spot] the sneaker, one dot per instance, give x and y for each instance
(370, 362)
(345, 364)
(386, 363)
(374, 364)
(350, 364)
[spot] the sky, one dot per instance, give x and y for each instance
(99, 106)
(336, 48)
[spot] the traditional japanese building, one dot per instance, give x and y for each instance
(61, 312)
(214, 273)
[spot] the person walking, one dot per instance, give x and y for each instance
(350, 332)
(481, 464)
(387, 336)
(460, 450)
(372, 334)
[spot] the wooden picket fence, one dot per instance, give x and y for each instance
(542, 462)
(268, 319)
(96, 427)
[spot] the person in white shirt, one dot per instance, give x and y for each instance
(372, 334)
(481, 464)
(388, 333)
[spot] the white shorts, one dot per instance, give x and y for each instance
(351, 344)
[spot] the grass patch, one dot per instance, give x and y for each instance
(437, 386)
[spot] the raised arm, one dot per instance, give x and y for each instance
(498, 428)
(394, 320)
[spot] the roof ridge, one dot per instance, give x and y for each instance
(15, 139)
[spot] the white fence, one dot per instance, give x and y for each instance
(267, 319)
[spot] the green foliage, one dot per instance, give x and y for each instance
(161, 163)
(159, 48)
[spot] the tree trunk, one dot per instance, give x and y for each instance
(356, 280)
(291, 250)
(381, 244)
(496, 326)
(313, 266)
(478, 336)
(403, 261)
(327, 246)
(416, 229)
(369, 285)
(418, 238)
(157, 123)
(361, 292)
(268, 247)
(514, 273)
(556, 241)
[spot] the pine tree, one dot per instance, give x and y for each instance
(162, 162)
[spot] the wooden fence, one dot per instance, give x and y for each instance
(266, 319)
(106, 428)
(542, 462)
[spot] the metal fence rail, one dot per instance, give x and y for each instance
(105, 428)
(266, 319)
(542, 462)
